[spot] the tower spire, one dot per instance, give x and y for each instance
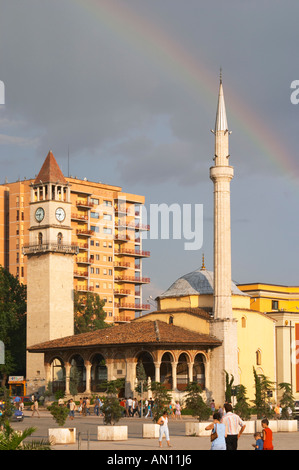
(221, 119)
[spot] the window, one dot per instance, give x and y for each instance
(97, 257)
(107, 217)
(59, 238)
(243, 322)
(97, 271)
(107, 230)
(94, 228)
(108, 203)
(94, 215)
(274, 304)
(40, 238)
(110, 272)
(94, 201)
(258, 357)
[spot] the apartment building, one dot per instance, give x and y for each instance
(106, 227)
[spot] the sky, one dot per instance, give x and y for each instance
(128, 89)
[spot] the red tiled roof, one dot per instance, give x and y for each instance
(143, 332)
(50, 171)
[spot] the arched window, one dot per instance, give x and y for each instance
(166, 370)
(57, 375)
(77, 375)
(182, 372)
(170, 321)
(258, 357)
(98, 373)
(59, 238)
(148, 364)
(40, 238)
(243, 322)
(199, 370)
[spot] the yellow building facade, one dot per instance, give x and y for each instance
(282, 304)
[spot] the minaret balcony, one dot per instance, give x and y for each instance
(32, 249)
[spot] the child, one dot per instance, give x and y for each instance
(259, 444)
(267, 435)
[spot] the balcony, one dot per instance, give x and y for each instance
(84, 289)
(32, 249)
(81, 275)
(121, 292)
(132, 306)
(131, 225)
(122, 319)
(131, 252)
(81, 260)
(83, 246)
(84, 204)
(84, 233)
(79, 217)
(133, 279)
(121, 265)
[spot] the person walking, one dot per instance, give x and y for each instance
(235, 427)
(178, 410)
(35, 408)
(221, 429)
(163, 422)
(72, 408)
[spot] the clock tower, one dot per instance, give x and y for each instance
(50, 309)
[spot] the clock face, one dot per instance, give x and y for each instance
(39, 214)
(60, 214)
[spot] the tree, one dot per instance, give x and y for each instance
(111, 407)
(263, 389)
(14, 440)
(12, 324)
(195, 403)
(141, 377)
(242, 407)
(59, 413)
(286, 401)
(161, 398)
(89, 315)
(229, 387)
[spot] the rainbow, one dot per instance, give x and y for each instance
(169, 55)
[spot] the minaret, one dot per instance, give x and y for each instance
(223, 325)
(221, 174)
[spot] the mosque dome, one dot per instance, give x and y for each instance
(198, 282)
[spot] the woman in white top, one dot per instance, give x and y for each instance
(163, 422)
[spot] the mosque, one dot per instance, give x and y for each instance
(204, 325)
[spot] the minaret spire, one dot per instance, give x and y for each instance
(221, 119)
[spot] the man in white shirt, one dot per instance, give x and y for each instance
(235, 427)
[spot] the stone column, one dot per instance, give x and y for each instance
(157, 371)
(174, 381)
(190, 371)
(88, 376)
(67, 366)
